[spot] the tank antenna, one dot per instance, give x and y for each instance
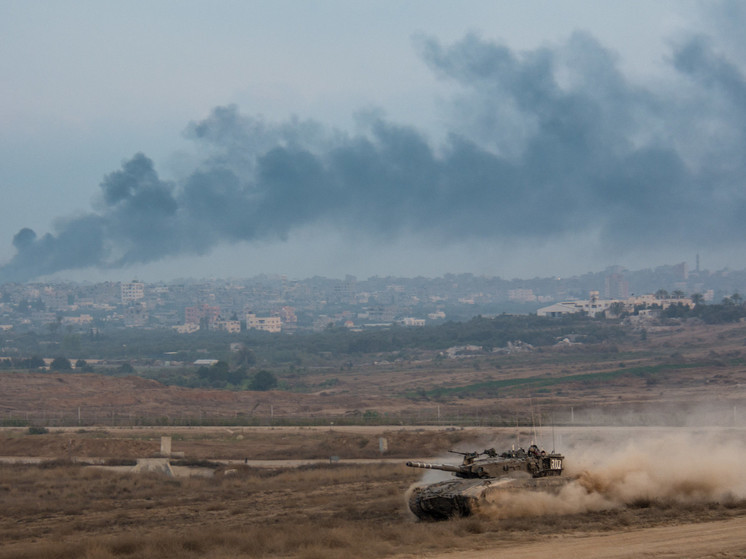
(533, 421)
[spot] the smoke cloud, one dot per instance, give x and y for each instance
(543, 143)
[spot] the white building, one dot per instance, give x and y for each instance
(136, 315)
(230, 326)
(133, 291)
(187, 328)
(81, 320)
(594, 306)
(266, 323)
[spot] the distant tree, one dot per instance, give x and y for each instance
(698, 298)
(34, 362)
(244, 357)
(55, 326)
(617, 308)
(263, 380)
(728, 311)
(60, 364)
(71, 343)
(736, 298)
(661, 294)
(679, 310)
(219, 374)
(83, 366)
(678, 294)
(237, 377)
(126, 369)
(23, 307)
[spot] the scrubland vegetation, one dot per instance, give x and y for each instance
(65, 511)
(283, 361)
(301, 348)
(223, 444)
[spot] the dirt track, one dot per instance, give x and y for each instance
(721, 539)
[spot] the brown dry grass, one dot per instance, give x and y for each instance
(68, 511)
(713, 355)
(61, 510)
(236, 444)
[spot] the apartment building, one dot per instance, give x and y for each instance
(133, 291)
(266, 323)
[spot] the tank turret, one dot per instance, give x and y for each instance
(489, 464)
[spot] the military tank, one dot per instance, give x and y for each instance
(481, 474)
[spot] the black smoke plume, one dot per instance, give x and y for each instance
(543, 143)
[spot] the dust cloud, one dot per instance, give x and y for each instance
(658, 467)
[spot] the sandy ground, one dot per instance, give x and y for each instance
(723, 539)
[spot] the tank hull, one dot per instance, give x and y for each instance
(462, 497)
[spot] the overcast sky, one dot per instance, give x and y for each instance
(157, 140)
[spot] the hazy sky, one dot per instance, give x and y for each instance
(172, 139)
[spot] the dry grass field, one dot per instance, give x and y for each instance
(673, 369)
(63, 510)
(659, 458)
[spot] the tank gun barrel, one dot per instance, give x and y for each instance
(486, 452)
(429, 466)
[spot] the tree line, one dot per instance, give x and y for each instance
(255, 353)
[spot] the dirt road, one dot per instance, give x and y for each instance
(722, 539)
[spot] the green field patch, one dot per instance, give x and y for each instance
(491, 387)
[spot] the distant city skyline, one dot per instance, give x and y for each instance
(537, 139)
(615, 278)
(279, 304)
